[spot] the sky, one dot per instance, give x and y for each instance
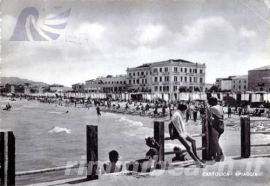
(107, 36)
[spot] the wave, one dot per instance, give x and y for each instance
(57, 130)
(55, 112)
(131, 122)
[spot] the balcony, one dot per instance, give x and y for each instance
(176, 73)
(129, 77)
(129, 85)
(142, 76)
(155, 83)
(176, 83)
(166, 83)
(165, 73)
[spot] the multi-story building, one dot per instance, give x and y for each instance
(259, 79)
(139, 78)
(108, 84)
(78, 87)
(167, 76)
(240, 83)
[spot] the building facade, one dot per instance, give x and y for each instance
(78, 87)
(139, 78)
(108, 84)
(259, 79)
(240, 83)
(169, 76)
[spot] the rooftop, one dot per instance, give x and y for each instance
(240, 76)
(262, 68)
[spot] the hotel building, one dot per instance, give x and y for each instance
(169, 76)
(108, 84)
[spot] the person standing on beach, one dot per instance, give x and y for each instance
(217, 123)
(180, 133)
(229, 112)
(195, 112)
(98, 111)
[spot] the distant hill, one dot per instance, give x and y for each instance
(18, 81)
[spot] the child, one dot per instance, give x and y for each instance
(179, 155)
(112, 166)
(148, 163)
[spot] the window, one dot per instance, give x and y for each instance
(145, 81)
(142, 81)
(138, 82)
(124, 82)
(190, 70)
(195, 71)
(190, 79)
(239, 81)
(138, 73)
(166, 78)
(117, 82)
(165, 88)
(130, 74)
(185, 79)
(175, 78)
(201, 71)
(166, 69)
(245, 81)
(160, 88)
(160, 79)
(155, 70)
(146, 72)
(174, 88)
(156, 88)
(142, 73)
(150, 73)
(245, 87)
(134, 81)
(181, 69)
(160, 70)
(120, 82)
(195, 79)
(185, 69)
(156, 79)
(130, 81)
(175, 69)
(233, 86)
(181, 79)
(239, 86)
(201, 80)
(133, 73)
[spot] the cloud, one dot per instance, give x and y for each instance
(149, 33)
(244, 33)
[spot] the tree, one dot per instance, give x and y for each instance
(214, 88)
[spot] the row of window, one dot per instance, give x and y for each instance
(139, 73)
(143, 81)
(175, 79)
(240, 86)
(117, 82)
(240, 81)
(176, 69)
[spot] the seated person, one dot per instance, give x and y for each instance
(179, 155)
(112, 166)
(148, 163)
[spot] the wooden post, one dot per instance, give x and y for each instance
(92, 152)
(159, 137)
(245, 137)
(7, 158)
(205, 138)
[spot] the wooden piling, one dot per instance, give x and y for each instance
(92, 152)
(205, 139)
(245, 137)
(159, 137)
(7, 158)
